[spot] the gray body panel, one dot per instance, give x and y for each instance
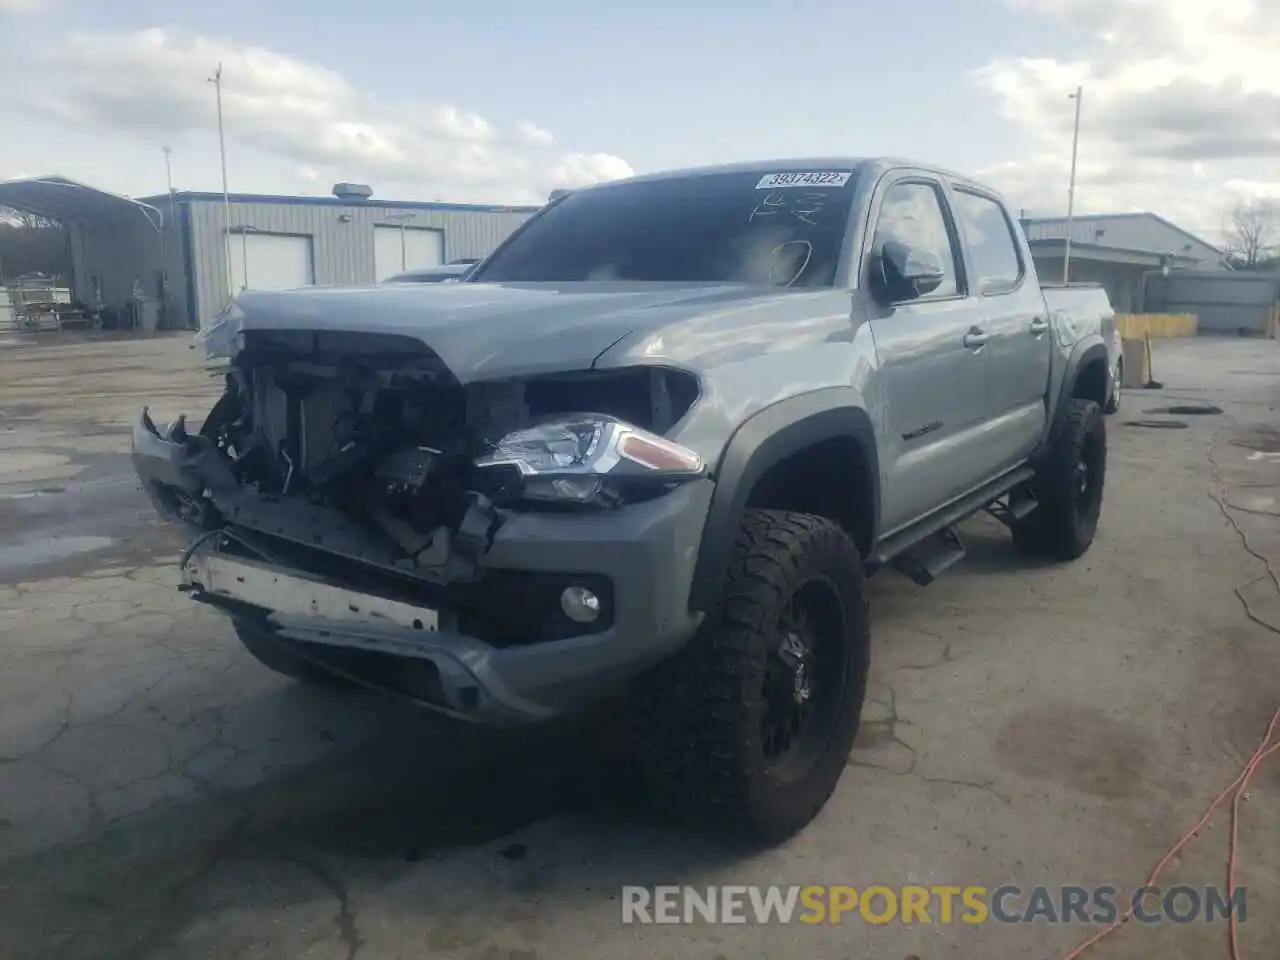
(938, 415)
(1084, 314)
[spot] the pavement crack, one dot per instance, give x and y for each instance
(882, 768)
(890, 727)
(64, 725)
(348, 929)
(1219, 498)
(986, 786)
(946, 657)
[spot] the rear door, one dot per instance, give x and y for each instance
(1017, 322)
(932, 364)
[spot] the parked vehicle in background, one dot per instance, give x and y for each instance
(457, 270)
(651, 447)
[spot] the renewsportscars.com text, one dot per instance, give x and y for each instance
(939, 904)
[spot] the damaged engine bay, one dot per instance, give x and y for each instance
(360, 457)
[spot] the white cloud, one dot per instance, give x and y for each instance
(156, 82)
(1180, 99)
(534, 133)
(1253, 189)
(581, 169)
(22, 6)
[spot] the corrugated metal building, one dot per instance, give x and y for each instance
(1117, 250)
(1235, 303)
(191, 251)
(278, 242)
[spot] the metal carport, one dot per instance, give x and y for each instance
(1119, 270)
(114, 242)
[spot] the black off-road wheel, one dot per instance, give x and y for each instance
(278, 655)
(749, 729)
(1068, 485)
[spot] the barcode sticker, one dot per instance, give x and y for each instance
(827, 178)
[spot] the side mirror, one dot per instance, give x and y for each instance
(900, 272)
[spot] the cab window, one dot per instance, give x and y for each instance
(912, 213)
(996, 265)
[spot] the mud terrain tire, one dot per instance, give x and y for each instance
(1068, 483)
(749, 728)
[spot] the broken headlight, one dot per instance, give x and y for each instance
(221, 336)
(588, 458)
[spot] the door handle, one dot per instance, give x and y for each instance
(975, 338)
(1039, 325)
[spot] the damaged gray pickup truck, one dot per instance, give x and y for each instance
(646, 453)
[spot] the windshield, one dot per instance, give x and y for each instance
(781, 228)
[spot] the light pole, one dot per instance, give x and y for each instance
(1078, 96)
(164, 254)
(216, 80)
(244, 230)
(168, 176)
(404, 218)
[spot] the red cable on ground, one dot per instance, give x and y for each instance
(1265, 749)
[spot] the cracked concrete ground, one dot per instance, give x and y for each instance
(163, 796)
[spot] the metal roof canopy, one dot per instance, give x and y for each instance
(64, 200)
(1099, 253)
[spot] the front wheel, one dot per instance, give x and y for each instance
(750, 727)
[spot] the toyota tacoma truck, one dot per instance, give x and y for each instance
(646, 453)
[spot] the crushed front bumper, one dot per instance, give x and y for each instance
(645, 551)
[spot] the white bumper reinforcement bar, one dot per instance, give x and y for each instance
(289, 595)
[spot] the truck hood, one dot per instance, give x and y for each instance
(483, 331)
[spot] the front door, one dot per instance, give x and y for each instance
(932, 362)
(1017, 319)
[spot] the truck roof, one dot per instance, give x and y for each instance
(861, 165)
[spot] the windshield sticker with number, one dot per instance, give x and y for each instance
(827, 178)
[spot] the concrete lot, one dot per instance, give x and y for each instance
(163, 796)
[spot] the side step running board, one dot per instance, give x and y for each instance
(916, 534)
(1015, 509)
(926, 561)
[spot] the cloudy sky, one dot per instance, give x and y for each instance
(504, 101)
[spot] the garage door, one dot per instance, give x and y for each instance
(422, 248)
(274, 261)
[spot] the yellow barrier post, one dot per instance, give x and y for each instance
(1137, 369)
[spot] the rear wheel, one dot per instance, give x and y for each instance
(1068, 485)
(750, 727)
(281, 656)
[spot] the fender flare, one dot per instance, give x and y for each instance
(762, 441)
(1090, 348)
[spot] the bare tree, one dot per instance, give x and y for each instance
(30, 243)
(26, 221)
(1252, 232)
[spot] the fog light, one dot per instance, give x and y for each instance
(580, 604)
